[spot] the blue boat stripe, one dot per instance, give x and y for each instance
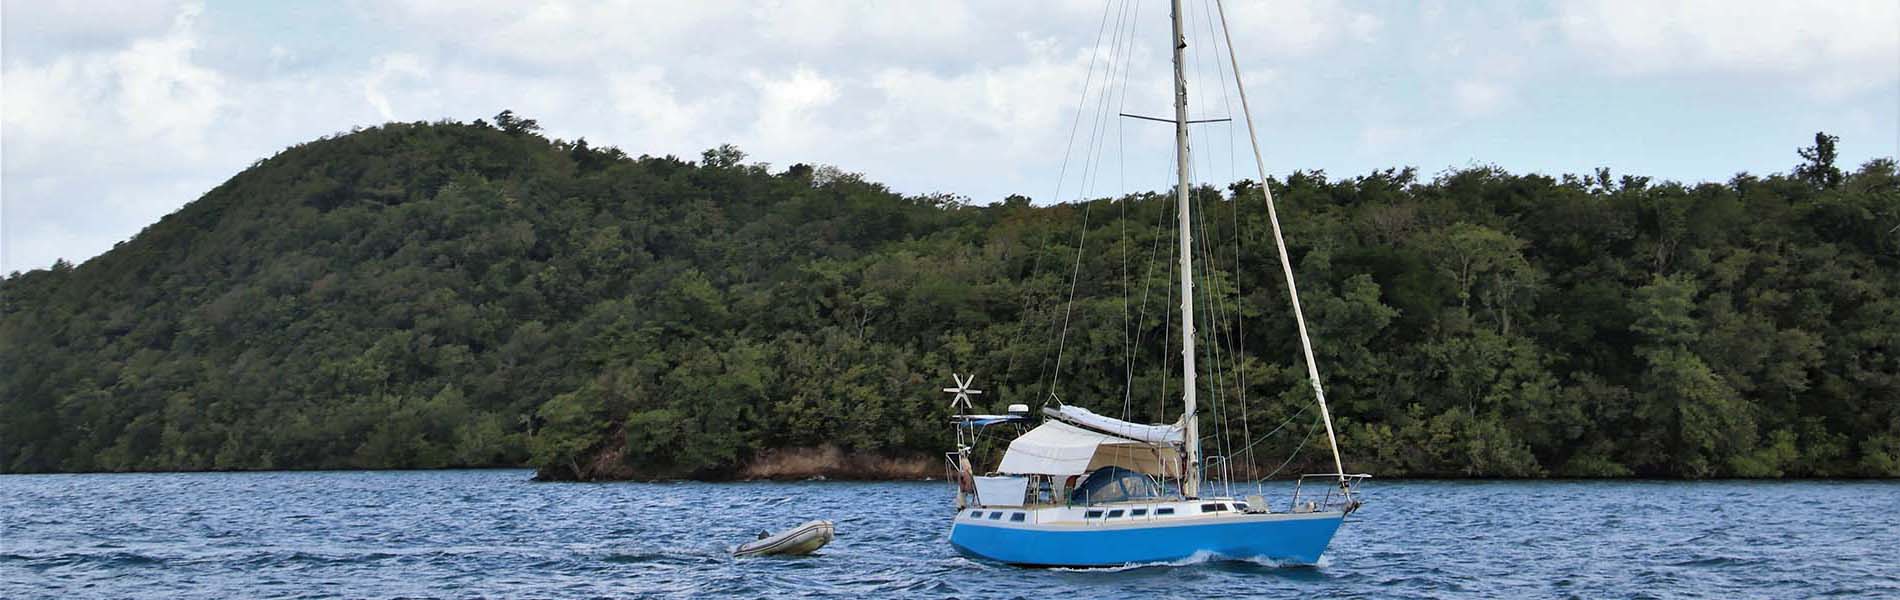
(1287, 540)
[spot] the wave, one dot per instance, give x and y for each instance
(100, 559)
(674, 540)
(1717, 561)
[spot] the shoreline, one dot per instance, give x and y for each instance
(841, 479)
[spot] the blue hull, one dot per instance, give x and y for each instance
(1288, 539)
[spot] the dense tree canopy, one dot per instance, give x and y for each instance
(431, 295)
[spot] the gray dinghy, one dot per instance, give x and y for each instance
(803, 539)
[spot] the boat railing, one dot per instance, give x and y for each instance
(1340, 497)
(959, 481)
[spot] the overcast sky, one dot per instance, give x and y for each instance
(113, 114)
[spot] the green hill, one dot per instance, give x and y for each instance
(432, 295)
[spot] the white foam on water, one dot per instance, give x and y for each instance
(1197, 558)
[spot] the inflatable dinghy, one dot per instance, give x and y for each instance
(803, 539)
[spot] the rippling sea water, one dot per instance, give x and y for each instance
(456, 534)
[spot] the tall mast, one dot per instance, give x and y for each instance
(1191, 484)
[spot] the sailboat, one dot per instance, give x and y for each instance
(1081, 489)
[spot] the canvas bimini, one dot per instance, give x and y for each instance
(1079, 489)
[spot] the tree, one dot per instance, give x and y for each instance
(1489, 265)
(1697, 421)
(514, 125)
(1819, 170)
(423, 295)
(1664, 311)
(725, 156)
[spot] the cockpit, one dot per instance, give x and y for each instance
(1115, 484)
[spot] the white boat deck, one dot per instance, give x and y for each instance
(1138, 513)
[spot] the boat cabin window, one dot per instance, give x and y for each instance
(1114, 484)
(1215, 507)
(1166, 510)
(1240, 506)
(1139, 512)
(1093, 514)
(996, 515)
(1115, 514)
(1016, 518)
(976, 514)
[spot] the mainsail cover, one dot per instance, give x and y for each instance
(1057, 448)
(1153, 434)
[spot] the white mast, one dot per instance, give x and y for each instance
(1286, 265)
(1191, 484)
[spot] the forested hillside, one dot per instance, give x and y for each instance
(448, 294)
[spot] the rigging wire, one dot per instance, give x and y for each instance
(1211, 300)
(1224, 326)
(1141, 316)
(1120, 48)
(1286, 266)
(1167, 322)
(1090, 170)
(1239, 338)
(1224, 332)
(1213, 318)
(1228, 323)
(1226, 103)
(1283, 424)
(1036, 264)
(1310, 430)
(1121, 171)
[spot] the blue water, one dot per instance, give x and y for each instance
(457, 534)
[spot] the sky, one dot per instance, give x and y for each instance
(114, 114)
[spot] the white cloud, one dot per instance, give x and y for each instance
(118, 113)
(1834, 48)
(1476, 97)
(787, 107)
(162, 93)
(150, 93)
(1292, 28)
(42, 30)
(103, 139)
(555, 34)
(1380, 139)
(1364, 26)
(813, 24)
(990, 105)
(654, 105)
(390, 70)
